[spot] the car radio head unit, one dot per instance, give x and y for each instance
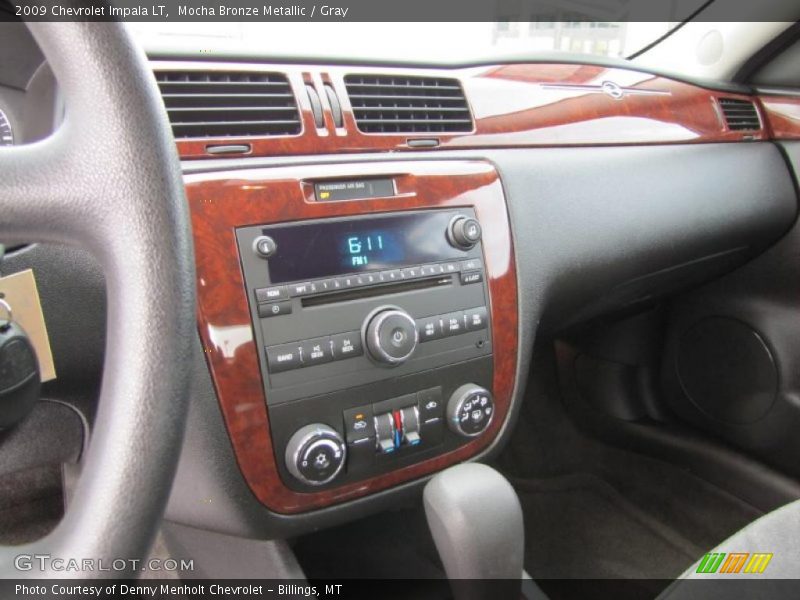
(374, 339)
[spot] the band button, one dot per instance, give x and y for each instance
(283, 358)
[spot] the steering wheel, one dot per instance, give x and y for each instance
(109, 180)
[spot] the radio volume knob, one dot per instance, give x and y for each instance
(391, 336)
(464, 232)
(470, 410)
(264, 246)
(315, 454)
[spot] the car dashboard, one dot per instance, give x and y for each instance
(377, 248)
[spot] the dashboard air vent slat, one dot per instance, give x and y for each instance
(400, 104)
(228, 103)
(740, 115)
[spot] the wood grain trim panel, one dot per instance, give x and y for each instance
(516, 105)
(222, 201)
(782, 114)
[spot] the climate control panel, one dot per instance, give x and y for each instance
(348, 436)
(316, 453)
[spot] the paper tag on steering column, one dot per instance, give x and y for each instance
(22, 296)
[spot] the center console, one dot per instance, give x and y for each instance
(367, 326)
(359, 321)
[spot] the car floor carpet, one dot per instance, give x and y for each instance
(580, 526)
(594, 511)
(31, 504)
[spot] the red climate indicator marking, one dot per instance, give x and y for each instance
(398, 427)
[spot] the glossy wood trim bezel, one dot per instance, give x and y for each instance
(222, 201)
(514, 105)
(782, 113)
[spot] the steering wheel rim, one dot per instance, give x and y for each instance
(109, 180)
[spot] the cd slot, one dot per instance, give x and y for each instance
(378, 290)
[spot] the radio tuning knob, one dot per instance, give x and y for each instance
(464, 232)
(470, 410)
(315, 454)
(391, 336)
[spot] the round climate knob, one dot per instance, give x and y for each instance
(315, 454)
(470, 410)
(391, 336)
(464, 232)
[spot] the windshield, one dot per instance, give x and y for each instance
(411, 42)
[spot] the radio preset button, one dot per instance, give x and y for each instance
(451, 267)
(429, 270)
(316, 351)
(271, 294)
(275, 309)
(347, 345)
(283, 358)
(391, 275)
(471, 277)
(326, 285)
(476, 318)
(411, 273)
(350, 281)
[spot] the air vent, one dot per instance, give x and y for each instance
(393, 104)
(228, 104)
(741, 115)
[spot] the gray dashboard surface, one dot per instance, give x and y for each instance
(585, 221)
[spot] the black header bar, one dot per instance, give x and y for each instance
(399, 11)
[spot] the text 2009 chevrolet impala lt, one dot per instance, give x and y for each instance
(389, 310)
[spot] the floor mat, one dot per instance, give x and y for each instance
(31, 504)
(601, 514)
(578, 526)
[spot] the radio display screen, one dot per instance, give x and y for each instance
(351, 245)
